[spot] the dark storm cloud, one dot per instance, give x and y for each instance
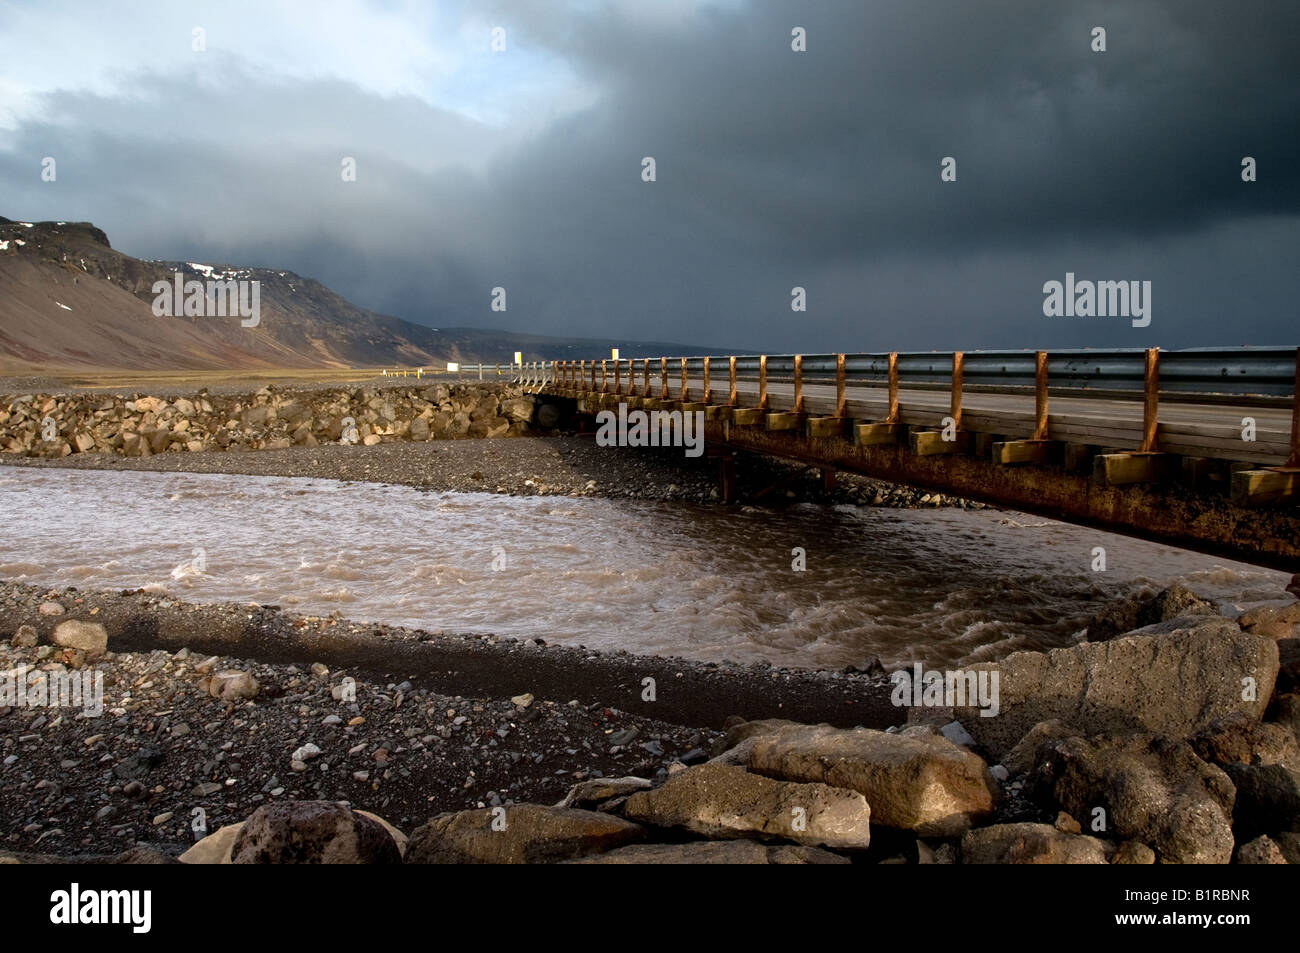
(775, 169)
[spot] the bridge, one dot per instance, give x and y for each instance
(1198, 448)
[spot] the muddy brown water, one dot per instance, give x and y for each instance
(943, 586)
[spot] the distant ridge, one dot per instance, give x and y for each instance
(67, 299)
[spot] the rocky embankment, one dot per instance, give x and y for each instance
(53, 426)
(1173, 742)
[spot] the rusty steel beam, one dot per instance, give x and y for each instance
(663, 378)
(1040, 395)
(1150, 402)
(762, 382)
(618, 377)
(686, 387)
(893, 388)
(604, 383)
(798, 383)
(954, 411)
(733, 398)
(841, 380)
(708, 391)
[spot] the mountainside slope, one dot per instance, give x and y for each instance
(68, 299)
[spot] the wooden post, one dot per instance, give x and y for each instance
(893, 388)
(732, 398)
(841, 398)
(604, 384)
(686, 389)
(618, 377)
(1040, 395)
(762, 381)
(958, 363)
(645, 368)
(1151, 401)
(708, 391)
(798, 383)
(663, 377)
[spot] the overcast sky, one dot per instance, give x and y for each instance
(522, 168)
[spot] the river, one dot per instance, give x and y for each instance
(943, 586)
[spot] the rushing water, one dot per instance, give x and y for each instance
(939, 585)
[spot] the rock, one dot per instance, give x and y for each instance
(306, 752)
(232, 686)
(1064, 822)
(517, 408)
(398, 837)
(1288, 677)
(523, 701)
(1261, 850)
(205, 789)
(50, 608)
(1172, 684)
(522, 834)
(1132, 614)
(1029, 844)
(1151, 789)
(923, 783)
(312, 832)
(1268, 798)
(1024, 757)
(722, 801)
(714, 852)
(1238, 739)
(1134, 852)
(1285, 711)
(1262, 615)
(419, 429)
(25, 637)
(957, 734)
(216, 848)
(90, 637)
(1289, 843)
(596, 790)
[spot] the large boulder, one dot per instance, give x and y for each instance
(722, 801)
(1174, 684)
(519, 834)
(312, 832)
(90, 637)
(517, 408)
(714, 852)
(919, 782)
(1154, 790)
(1029, 844)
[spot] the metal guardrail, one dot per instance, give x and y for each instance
(1208, 372)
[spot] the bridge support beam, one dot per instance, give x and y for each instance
(820, 427)
(1258, 487)
(869, 435)
(1119, 469)
(1013, 452)
(926, 443)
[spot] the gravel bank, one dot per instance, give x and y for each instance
(433, 726)
(557, 466)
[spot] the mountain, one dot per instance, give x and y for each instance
(68, 299)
